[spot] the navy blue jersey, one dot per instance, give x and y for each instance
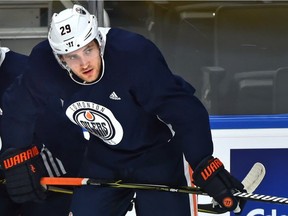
(11, 67)
(137, 112)
(9, 70)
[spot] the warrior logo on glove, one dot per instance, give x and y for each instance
(21, 157)
(213, 166)
(227, 202)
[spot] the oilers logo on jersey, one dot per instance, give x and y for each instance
(97, 120)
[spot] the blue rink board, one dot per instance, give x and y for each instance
(249, 121)
(275, 161)
(274, 182)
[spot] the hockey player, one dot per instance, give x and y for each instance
(51, 129)
(141, 118)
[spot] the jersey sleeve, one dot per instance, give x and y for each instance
(18, 118)
(23, 101)
(173, 101)
(10, 69)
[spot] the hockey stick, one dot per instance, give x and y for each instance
(181, 189)
(251, 181)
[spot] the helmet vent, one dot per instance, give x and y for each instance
(68, 39)
(88, 34)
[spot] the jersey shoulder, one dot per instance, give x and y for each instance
(126, 41)
(42, 58)
(42, 49)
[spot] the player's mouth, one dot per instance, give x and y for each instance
(87, 72)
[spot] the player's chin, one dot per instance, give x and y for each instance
(89, 80)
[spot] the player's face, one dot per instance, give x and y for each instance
(85, 62)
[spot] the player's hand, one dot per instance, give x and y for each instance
(23, 169)
(218, 183)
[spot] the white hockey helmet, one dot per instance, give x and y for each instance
(72, 29)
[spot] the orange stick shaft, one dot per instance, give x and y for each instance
(62, 181)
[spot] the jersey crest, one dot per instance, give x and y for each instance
(97, 120)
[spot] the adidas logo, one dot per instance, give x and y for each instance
(114, 96)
